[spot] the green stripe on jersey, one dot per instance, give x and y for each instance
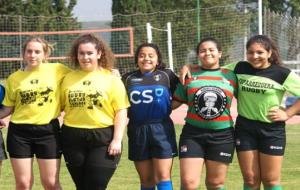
(209, 95)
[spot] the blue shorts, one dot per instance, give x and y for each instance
(153, 140)
(3, 155)
(268, 138)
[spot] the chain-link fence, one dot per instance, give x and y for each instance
(232, 25)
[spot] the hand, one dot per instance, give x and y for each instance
(2, 124)
(278, 114)
(115, 147)
(185, 71)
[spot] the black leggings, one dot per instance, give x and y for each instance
(87, 159)
(90, 178)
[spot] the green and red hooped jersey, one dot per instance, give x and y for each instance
(208, 94)
(260, 90)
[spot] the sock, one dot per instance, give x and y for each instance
(220, 188)
(276, 187)
(246, 187)
(147, 188)
(165, 185)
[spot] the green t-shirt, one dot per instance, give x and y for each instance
(260, 90)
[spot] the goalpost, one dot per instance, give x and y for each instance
(169, 33)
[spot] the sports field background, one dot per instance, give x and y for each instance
(126, 177)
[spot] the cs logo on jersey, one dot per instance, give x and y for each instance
(210, 102)
(145, 96)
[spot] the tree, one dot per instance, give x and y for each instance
(288, 7)
(35, 15)
(184, 26)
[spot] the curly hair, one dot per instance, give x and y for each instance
(107, 59)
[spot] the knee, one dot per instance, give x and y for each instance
(165, 176)
(147, 182)
(214, 183)
(24, 184)
(252, 180)
(269, 182)
(189, 183)
(51, 184)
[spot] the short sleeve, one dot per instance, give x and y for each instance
(119, 95)
(292, 84)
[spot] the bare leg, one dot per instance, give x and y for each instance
(49, 173)
(250, 168)
(22, 168)
(146, 173)
(190, 172)
(215, 174)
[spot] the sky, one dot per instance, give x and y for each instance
(93, 10)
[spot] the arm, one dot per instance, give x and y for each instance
(185, 71)
(283, 115)
(4, 112)
(120, 123)
(175, 104)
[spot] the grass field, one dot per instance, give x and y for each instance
(126, 178)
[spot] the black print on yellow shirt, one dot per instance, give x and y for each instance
(94, 99)
(81, 99)
(39, 96)
(76, 98)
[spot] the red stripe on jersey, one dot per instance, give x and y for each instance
(233, 83)
(196, 117)
(187, 81)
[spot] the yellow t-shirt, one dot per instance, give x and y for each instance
(35, 94)
(91, 99)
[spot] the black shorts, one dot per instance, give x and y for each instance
(210, 144)
(26, 140)
(3, 155)
(88, 146)
(268, 138)
(153, 140)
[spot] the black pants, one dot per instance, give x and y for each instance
(85, 153)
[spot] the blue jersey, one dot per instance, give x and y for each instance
(150, 95)
(2, 93)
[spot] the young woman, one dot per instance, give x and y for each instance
(2, 147)
(207, 138)
(260, 126)
(32, 99)
(151, 134)
(95, 105)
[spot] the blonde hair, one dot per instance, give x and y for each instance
(47, 47)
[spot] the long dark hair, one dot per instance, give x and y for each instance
(268, 45)
(160, 65)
